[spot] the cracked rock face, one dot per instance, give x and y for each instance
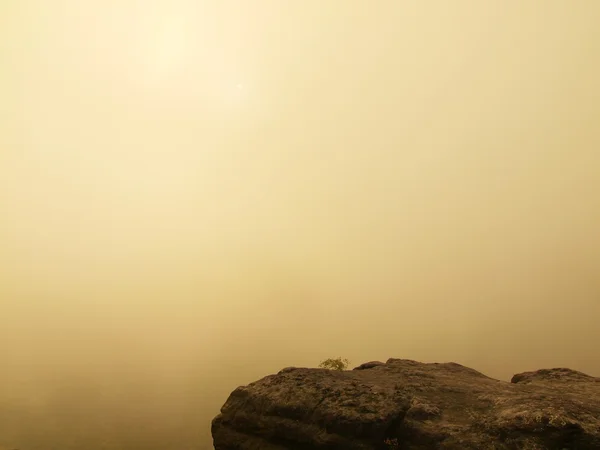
(404, 404)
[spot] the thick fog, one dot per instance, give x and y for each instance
(197, 194)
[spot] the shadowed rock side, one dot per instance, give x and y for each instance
(404, 404)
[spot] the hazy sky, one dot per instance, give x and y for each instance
(248, 185)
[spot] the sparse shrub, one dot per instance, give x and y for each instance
(335, 364)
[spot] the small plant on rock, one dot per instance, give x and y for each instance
(335, 364)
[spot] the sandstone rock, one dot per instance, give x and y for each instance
(369, 365)
(404, 404)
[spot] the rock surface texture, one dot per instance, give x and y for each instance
(404, 404)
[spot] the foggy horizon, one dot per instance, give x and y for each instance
(195, 195)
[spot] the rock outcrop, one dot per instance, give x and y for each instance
(404, 404)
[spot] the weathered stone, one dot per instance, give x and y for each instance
(404, 404)
(369, 365)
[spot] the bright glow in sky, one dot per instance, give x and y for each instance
(169, 51)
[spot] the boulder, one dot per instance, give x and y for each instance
(369, 365)
(405, 404)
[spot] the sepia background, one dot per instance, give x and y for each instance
(196, 194)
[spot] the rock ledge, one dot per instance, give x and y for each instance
(405, 404)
